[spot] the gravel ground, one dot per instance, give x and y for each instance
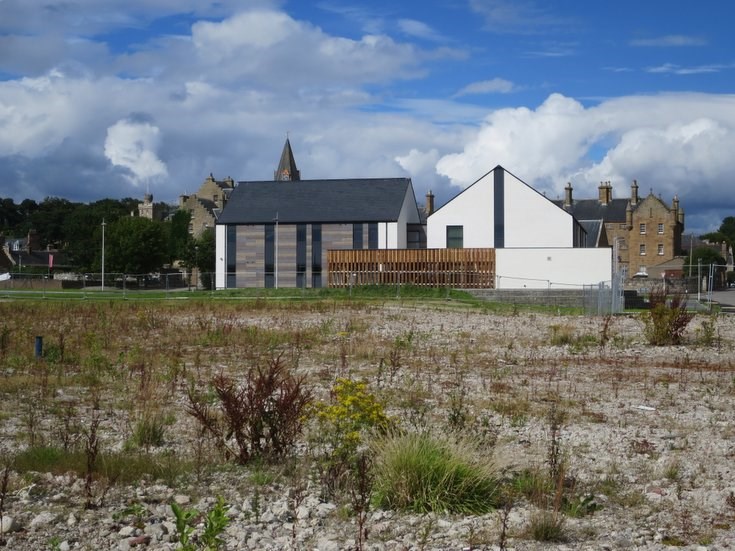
(648, 436)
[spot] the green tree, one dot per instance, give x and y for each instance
(707, 256)
(726, 232)
(48, 220)
(135, 245)
(180, 239)
(83, 231)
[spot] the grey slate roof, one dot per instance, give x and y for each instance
(593, 230)
(592, 209)
(316, 201)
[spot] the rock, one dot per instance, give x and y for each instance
(303, 512)
(139, 540)
(324, 509)
(42, 519)
(324, 544)
(64, 546)
(9, 524)
(181, 499)
(71, 520)
(156, 531)
(126, 531)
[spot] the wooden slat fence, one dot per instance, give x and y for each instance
(457, 268)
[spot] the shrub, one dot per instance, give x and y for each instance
(666, 321)
(353, 414)
(264, 416)
(421, 473)
(342, 427)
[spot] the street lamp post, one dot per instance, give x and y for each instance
(103, 254)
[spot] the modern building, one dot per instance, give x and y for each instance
(277, 233)
(500, 211)
(645, 233)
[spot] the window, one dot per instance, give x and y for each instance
(316, 256)
(300, 256)
(357, 236)
(373, 235)
(455, 237)
(643, 229)
(643, 249)
(661, 229)
(270, 255)
(660, 249)
(231, 253)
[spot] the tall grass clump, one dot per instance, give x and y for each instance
(423, 473)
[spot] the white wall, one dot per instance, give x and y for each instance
(473, 209)
(557, 268)
(531, 220)
(220, 233)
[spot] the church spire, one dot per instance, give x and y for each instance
(287, 166)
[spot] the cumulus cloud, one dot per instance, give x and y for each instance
(672, 143)
(133, 145)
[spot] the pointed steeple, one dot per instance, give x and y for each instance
(287, 166)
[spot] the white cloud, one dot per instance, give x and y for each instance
(674, 143)
(419, 29)
(669, 40)
(133, 146)
(492, 86)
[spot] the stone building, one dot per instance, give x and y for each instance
(645, 233)
(206, 205)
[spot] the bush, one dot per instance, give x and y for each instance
(342, 427)
(421, 473)
(666, 321)
(264, 416)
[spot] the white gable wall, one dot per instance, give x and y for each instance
(531, 220)
(472, 209)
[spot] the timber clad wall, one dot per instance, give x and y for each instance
(457, 268)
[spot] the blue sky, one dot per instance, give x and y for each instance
(110, 98)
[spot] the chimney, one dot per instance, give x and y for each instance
(675, 206)
(33, 242)
(605, 193)
(629, 216)
(429, 203)
(634, 193)
(568, 195)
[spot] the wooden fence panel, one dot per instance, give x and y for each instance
(458, 268)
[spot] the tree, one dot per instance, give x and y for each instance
(180, 239)
(707, 256)
(726, 232)
(135, 245)
(201, 255)
(48, 220)
(83, 232)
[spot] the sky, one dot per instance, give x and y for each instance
(112, 98)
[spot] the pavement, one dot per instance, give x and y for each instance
(726, 298)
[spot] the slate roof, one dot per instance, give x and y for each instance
(593, 230)
(592, 209)
(287, 165)
(317, 201)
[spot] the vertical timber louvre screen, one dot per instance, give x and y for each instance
(457, 268)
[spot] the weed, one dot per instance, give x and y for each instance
(666, 321)
(361, 489)
(91, 449)
(264, 416)
(707, 332)
(184, 526)
(215, 523)
(547, 526)
(342, 427)
(149, 431)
